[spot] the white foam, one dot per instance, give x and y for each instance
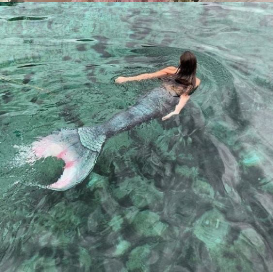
(24, 156)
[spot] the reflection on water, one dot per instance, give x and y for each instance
(189, 194)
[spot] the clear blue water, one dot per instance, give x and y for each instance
(193, 193)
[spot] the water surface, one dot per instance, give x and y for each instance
(193, 193)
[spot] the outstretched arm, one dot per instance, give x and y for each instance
(161, 73)
(182, 102)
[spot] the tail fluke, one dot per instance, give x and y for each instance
(71, 147)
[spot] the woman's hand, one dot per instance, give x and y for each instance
(121, 79)
(169, 115)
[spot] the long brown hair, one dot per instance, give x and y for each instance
(186, 71)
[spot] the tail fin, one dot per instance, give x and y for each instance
(79, 149)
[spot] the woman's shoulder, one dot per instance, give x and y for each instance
(198, 81)
(171, 70)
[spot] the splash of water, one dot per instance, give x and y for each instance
(24, 156)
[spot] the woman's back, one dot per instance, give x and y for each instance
(173, 84)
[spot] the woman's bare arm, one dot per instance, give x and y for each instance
(161, 73)
(182, 102)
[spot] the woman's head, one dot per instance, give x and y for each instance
(187, 67)
(185, 75)
(188, 64)
(186, 71)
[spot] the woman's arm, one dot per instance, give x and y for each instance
(182, 102)
(164, 72)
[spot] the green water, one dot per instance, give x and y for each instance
(193, 193)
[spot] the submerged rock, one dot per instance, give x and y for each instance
(203, 188)
(97, 181)
(211, 228)
(138, 258)
(148, 224)
(122, 247)
(142, 192)
(247, 253)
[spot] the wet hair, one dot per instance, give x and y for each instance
(186, 71)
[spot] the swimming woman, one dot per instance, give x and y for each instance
(80, 148)
(181, 81)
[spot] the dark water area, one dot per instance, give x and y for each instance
(193, 193)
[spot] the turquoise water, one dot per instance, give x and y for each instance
(193, 193)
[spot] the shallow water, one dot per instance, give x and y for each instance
(194, 193)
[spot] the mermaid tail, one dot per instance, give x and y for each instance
(80, 148)
(66, 145)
